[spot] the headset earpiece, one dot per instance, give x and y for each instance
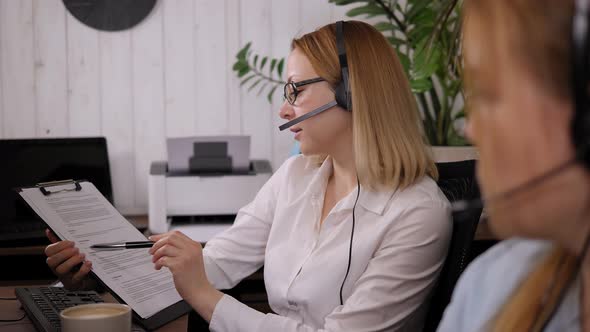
(580, 79)
(342, 91)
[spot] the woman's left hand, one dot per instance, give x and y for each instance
(184, 258)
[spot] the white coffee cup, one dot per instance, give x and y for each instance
(95, 317)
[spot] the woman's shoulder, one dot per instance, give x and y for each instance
(488, 282)
(505, 254)
(505, 264)
(422, 208)
(424, 192)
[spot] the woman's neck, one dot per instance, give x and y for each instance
(344, 173)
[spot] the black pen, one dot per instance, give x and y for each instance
(123, 245)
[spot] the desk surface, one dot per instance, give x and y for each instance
(483, 233)
(11, 310)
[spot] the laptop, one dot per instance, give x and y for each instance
(26, 162)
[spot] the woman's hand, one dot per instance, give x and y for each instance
(184, 258)
(63, 258)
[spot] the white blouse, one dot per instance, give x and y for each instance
(399, 245)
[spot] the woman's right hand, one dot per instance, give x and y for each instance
(63, 258)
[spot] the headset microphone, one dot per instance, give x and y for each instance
(468, 205)
(308, 115)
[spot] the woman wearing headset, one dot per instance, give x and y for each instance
(518, 68)
(300, 225)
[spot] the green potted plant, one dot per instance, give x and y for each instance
(426, 35)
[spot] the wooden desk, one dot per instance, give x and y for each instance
(12, 310)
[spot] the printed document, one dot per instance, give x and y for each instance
(86, 217)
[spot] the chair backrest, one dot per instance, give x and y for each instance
(457, 181)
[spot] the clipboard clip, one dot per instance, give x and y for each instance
(43, 186)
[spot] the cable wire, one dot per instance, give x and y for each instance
(351, 236)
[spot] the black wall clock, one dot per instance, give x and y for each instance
(110, 15)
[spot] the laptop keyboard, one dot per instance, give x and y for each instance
(43, 305)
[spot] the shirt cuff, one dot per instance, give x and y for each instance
(232, 315)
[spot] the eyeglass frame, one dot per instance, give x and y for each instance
(296, 85)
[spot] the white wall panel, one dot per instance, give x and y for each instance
(286, 26)
(49, 19)
(233, 43)
(117, 113)
(83, 77)
(18, 68)
(314, 14)
(148, 100)
(211, 64)
(179, 67)
(256, 111)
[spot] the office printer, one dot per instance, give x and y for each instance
(203, 177)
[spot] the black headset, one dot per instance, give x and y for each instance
(342, 91)
(580, 125)
(344, 99)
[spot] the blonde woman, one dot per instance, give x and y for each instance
(518, 58)
(319, 272)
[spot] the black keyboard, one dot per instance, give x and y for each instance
(43, 305)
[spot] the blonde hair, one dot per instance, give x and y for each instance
(536, 34)
(389, 145)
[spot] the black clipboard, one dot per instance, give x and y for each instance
(151, 323)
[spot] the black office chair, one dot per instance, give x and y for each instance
(457, 181)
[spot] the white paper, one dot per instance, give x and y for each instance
(87, 218)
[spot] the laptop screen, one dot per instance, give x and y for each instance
(26, 162)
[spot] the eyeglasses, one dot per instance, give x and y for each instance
(290, 91)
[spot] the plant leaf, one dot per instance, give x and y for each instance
(395, 41)
(417, 7)
(454, 139)
(262, 87)
(384, 26)
(243, 71)
(280, 67)
(273, 63)
(425, 18)
(239, 65)
(460, 115)
(254, 84)
(426, 61)
(242, 53)
(247, 79)
(271, 93)
(255, 60)
(419, 86)
(345, 2)
(263, 62)
(419, 33)
(405, 61)
(370, 10)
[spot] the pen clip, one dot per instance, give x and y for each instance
(43, 186)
